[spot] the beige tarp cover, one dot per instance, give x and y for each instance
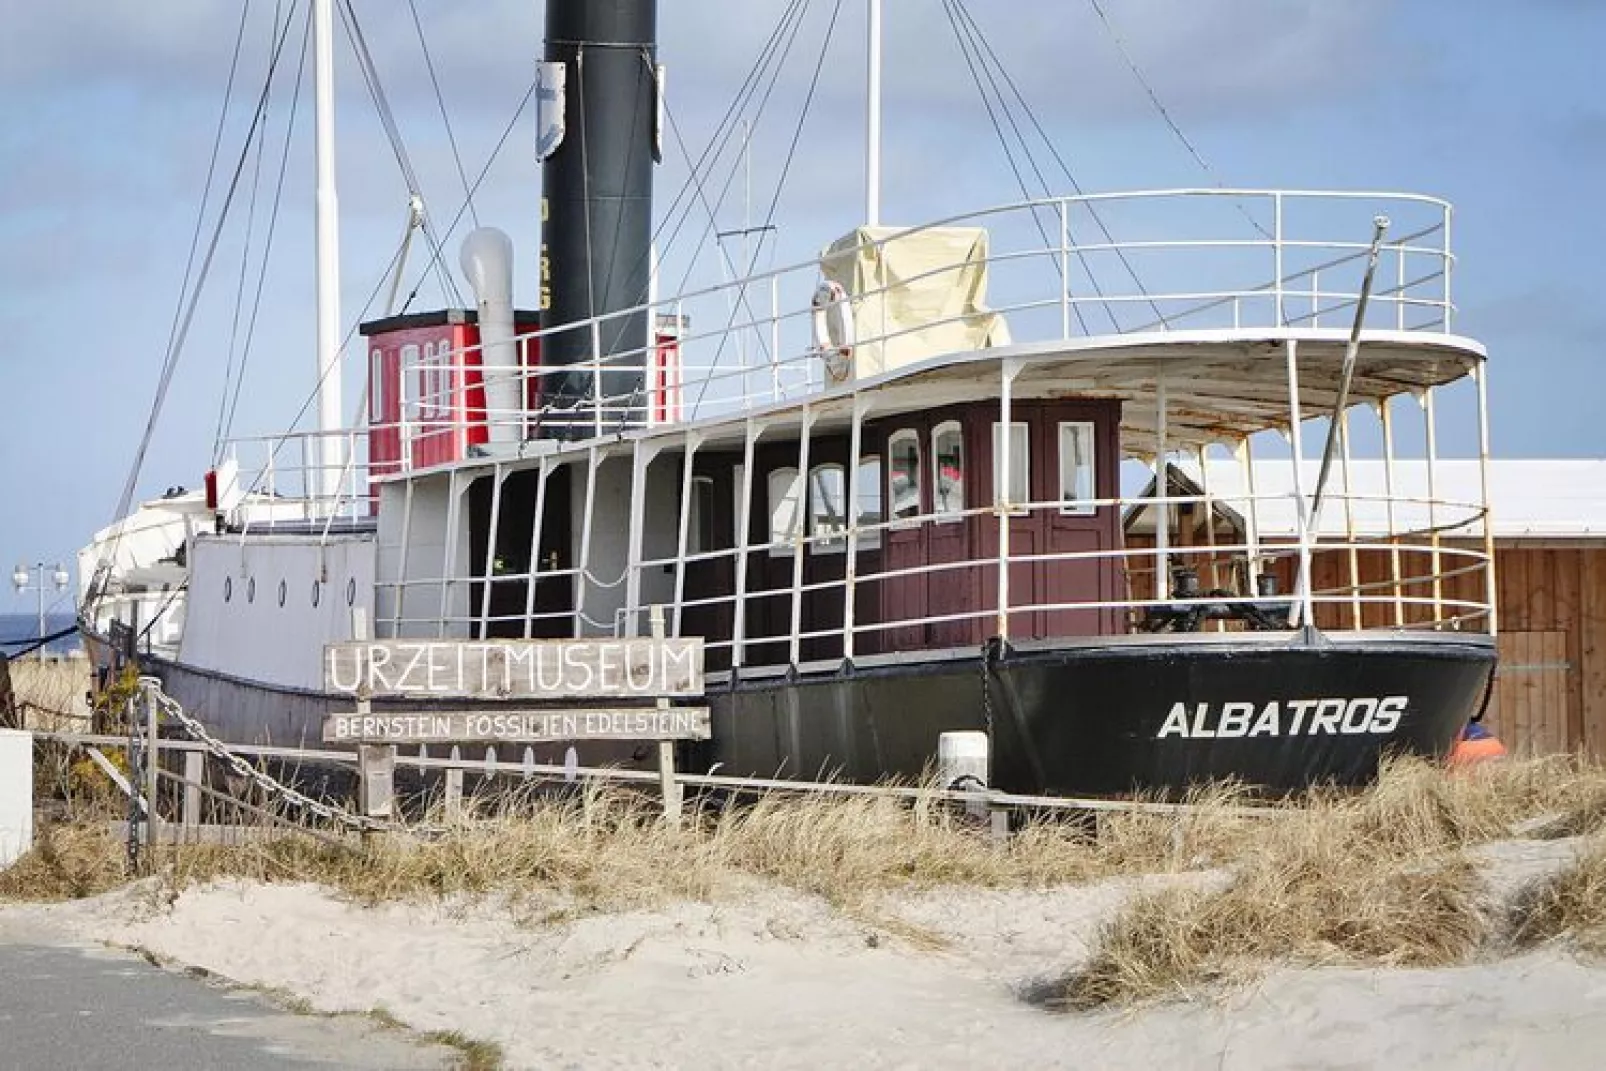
(903, 300)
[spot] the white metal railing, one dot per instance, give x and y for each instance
(1418, 576)
(749, 343)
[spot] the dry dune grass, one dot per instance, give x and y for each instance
(1571, 904)
(1377, 876)
(1380, 877)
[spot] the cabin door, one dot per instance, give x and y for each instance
(903, 597)
(1057, 454)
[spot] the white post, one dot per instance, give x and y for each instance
(1162, 487)
(1385, 416)
(1356, 617)
(1432, 432)
(330, 448)
(850, 568)
(745, 512)
(534, 564)
(1246, 468)
(582, 576)
(1480, 375)
(667, 783)
(872, 125)
(488, 576)
(640, 460)
(799, 539)
(1001, 493)
(688, 487)
(16, 794)
(1302, 610)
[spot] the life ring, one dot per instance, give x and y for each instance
(833, 330)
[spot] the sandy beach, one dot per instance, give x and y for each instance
(770, 977)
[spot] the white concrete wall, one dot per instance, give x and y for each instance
(236, 623)
(16, 795)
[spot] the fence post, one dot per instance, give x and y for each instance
(667, 783)
(153, 818)
(376, 763)
(454, 787)
(193, 771)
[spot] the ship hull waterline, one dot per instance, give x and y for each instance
(1072, 719)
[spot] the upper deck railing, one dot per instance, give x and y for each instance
(1189, 259)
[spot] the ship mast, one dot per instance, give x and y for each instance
(331, 448)
(872, 125)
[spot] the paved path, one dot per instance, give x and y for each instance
(73, 1007)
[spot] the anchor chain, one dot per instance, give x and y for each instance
(275, 788)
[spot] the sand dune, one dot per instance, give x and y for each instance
(772, 978)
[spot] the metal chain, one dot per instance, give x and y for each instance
(136, 751)
(275, 788)
(988, 651)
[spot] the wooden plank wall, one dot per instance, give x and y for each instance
(1556, 595)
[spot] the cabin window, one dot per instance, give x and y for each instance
(828, 509)
(700, 525)
(903, 474)
(870, 515)
(380, 400)
(1019, 491)
(738, 517)
(1076, 467)
(412, 367)
(786, 511)
(947, 471)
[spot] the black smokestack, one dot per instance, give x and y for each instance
(597, 192)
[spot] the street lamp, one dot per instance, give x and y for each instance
(22, 579)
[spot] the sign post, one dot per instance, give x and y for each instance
(666, 748)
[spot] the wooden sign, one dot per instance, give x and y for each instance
(518, 726)
(516, 669)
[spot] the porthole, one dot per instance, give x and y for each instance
(317, 592)
(228, 588)
(351, 592)
(284, 589)
(251, 590)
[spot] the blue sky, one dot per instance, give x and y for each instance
(111, 105)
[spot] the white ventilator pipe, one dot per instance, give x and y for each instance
(487, 261)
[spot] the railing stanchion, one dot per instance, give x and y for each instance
(1277, 254)
(1480, 373)
(1065, 271)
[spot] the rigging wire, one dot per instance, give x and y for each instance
(176, 345)
(206, 189)
(496, 150)
(1165, 114)
(245, 271)
(794, 16)
(708, 207)
(440, 102)
(398, 145)
(273, 219)
(1065, 168)
(780, 184)
(1009, 156)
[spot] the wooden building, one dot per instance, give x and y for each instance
(1549, 525)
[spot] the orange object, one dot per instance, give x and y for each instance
(1476, 744)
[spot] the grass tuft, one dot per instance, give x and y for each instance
(1572, 903)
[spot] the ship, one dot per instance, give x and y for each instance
(944, 477)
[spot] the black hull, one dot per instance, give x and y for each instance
(1067, 718)
(1104, 718)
